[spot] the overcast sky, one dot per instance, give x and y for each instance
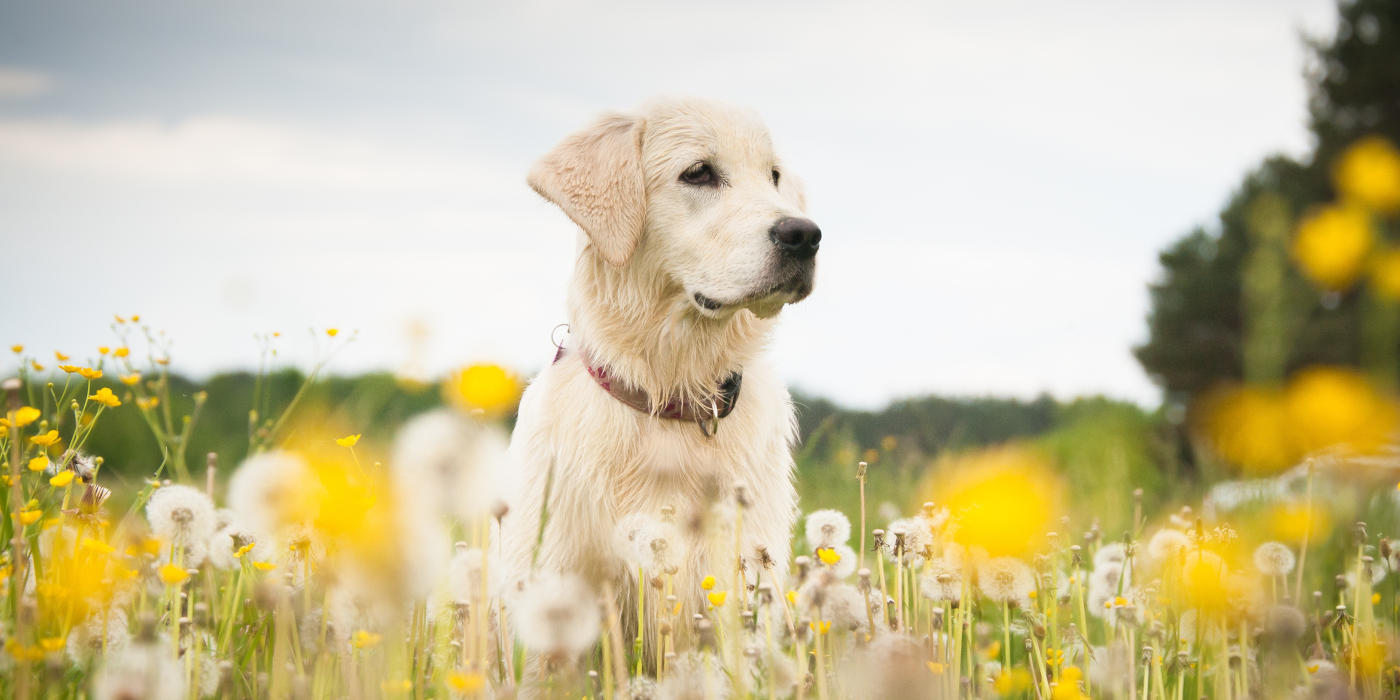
(993, 180)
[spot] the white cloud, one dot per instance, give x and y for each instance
(23, 83)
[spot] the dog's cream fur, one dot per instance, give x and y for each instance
(649, 243)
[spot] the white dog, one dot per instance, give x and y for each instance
(693, 239)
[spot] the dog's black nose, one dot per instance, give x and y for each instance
(797, 238)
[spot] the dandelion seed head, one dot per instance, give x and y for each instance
(1274, 559)
(1115, 552)
(140, 671)
(827, 528)
(1005, 579)
(942, 579)
(446, 461)
(557, 615)
(183, 516)
(267, 490)
(645, 542)
(695, 676)
(1166, 543)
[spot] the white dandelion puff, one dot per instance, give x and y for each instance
(941, 580)
(1005, 579)
(1274, 559)
(142, 671)
(645, 542)
(694, 676)
(1113, 552)
(1166, 543)
(446, 461)
(184, 517)
(267, 491)
(229, 540)
(827, 528)
(558, 616)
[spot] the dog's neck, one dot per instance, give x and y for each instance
(645, 331)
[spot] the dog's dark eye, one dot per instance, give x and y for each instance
(776, 175)
(699, 174)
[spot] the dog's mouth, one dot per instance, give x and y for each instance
(767, 301)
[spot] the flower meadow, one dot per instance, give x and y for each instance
(326, 565)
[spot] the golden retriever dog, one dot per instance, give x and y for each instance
(660, 413)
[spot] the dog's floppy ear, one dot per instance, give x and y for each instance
(595, 176)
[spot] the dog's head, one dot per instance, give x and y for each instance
(696, 185)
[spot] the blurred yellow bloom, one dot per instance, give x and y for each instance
(103, 349)
(264, 565)
(332, 332)
(52, 644)
(122, 351)
(364, 639)
(135, 318)
(68, 368)
(1368, 173)
(466, 683)
(105, 397)
(132, 379)
(1248, 427)
(90, 373)
(147, 404)
(60, 356)
(45, 439)
(62, 478)
(244, 550)
(820, 626)
(707, 583)
(1068, 686)
(39, 463)
(1292, 522)
(97, 546)
(489, 389)
(717, 598)
(119, 318)
(1202, 582)
(25, 415)
(1331, 407)
(17, 349)
(173, 575)
(35, 364)
(29, 517)
(348, 440)
(1002, 500)
(828, 555)
(792, 597)
(1013, 682)
(1331, 245)
(1385, 273)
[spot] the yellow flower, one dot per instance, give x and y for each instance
(39, 463)
(1331, 407)
(1385, 273)
(29, 517)
(935, 668)
(707, 583)
(820, 626)
(173, 575)
(1331, 245)
(132, 379)
(364, 639)
(62, 478)
(35, 364)
(119, 318)
(135, 318)
(1368, 173)
(46, 439)
(122, 351)
(1012, 682)
(466, 683)
(60, 356)
(332, 332)
(264, 565)
(717, 598)
(105, 397)
(1068, 686)
(68, 368)
(90, 373)
(97, 546)
(17, 349)
(147, 404)
(828, 555)
(103, 349)
(348, 440)
(243, 550)
(1203, 578)
(488, 389)
(792, 596)
(1002, 500)
(26, 415)
(52, 644)
(1375, 599)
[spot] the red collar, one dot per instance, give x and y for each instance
(706, 413)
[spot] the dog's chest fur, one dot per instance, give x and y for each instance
(610, 460)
